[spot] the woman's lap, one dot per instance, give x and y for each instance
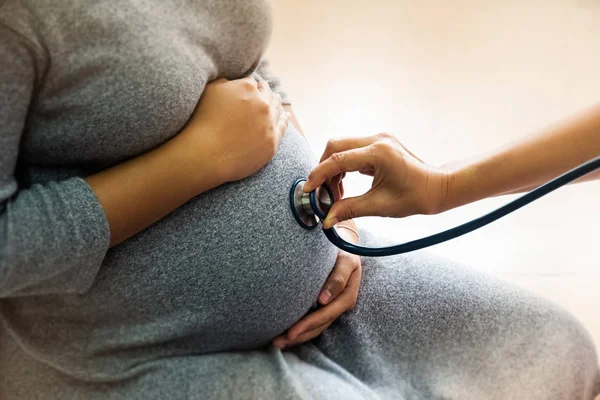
(425, 328)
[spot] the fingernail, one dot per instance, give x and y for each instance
(325, 296)
(279, 345)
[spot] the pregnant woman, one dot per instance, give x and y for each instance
(147, 250)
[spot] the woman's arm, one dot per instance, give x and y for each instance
(214, 148)
(54, 236)
(528, 163)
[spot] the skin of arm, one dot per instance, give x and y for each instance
(141, 191)
(212, 149)
(404, 185)
(527, 163)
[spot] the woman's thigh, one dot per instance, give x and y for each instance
(428, 328)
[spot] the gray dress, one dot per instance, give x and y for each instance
(187, 308)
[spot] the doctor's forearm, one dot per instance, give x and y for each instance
(528, 163)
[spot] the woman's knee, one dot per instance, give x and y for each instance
(435, 310)
(565, 346)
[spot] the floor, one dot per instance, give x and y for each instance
(452, 79)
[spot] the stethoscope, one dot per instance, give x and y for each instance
(310, 209)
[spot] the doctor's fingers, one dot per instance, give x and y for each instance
(353, 207)
(364, 159)
(344, 144)
(336, 185)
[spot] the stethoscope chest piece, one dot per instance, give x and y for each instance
(310, 208)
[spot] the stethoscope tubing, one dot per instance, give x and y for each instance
(468, 227)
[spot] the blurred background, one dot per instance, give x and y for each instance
(452, 79)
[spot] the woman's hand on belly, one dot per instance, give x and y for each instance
(234, 131)
(339, 295)
(242, 122)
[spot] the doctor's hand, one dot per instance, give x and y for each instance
(403, 184)
(339, 294)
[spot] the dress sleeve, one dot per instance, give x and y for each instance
(53, 237)
(264, 72)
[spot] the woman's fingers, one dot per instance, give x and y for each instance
(276, 106)
(345, 161)
(280, 117)
(316, 322)
(283, 123)
(250, 80)
(262, 86)
(331, 311)
(268, 97)
(322, 316)
(337, 280)
(352, 207)
(310, 335)
(280, 341)
(277, 110)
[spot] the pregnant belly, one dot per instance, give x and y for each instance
(231, 269)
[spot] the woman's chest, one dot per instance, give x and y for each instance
(124, 77)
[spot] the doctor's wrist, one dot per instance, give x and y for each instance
(462, 185)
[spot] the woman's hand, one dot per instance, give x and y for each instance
(234, 131)
(339, 294)
(240, 124)
(403, 184)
